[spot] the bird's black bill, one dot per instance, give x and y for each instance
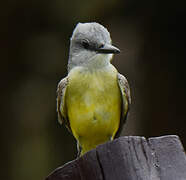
(108, 49)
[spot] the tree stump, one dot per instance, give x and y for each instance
(128, 158)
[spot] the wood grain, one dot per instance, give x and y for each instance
(128, 158)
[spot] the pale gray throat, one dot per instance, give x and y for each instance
(98, 61)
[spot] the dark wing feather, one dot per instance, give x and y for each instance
(126, 100)
(61, 105)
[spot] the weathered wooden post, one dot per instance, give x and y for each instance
(129, 158)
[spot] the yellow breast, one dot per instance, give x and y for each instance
(93, 102)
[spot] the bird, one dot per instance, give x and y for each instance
(93, 99)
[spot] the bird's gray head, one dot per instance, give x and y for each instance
(90, 46)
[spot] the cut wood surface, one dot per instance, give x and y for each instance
(128, 158)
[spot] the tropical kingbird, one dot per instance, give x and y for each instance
(93, 100)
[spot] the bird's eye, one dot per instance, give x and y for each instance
(85, 44)
(101, 46)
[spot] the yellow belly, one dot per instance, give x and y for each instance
(93, 102)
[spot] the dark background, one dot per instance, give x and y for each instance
(34, 52)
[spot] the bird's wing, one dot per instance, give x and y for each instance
(126, 100)
(61, 107)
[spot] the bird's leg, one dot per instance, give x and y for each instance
(79, 149)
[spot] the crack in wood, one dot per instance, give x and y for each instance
(101, 167)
